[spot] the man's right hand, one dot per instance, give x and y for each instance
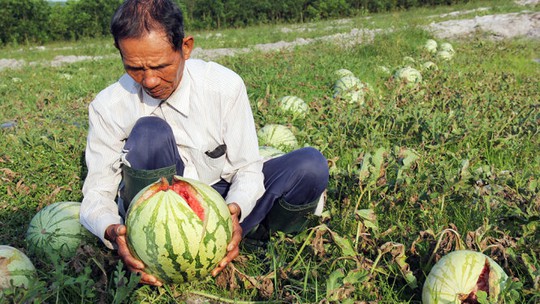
(117, 234)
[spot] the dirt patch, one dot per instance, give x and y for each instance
(61, 60)
(495, 26)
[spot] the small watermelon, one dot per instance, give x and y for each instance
(277, 136)
(445, 46)
(16, 269)
(56, 229)
(347, 83)
(460, 275)
(431, 46)
(294, 105)
(445, 55)
(351, 89)
(180, 231)
(409, 76)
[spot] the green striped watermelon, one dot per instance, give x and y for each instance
(459, 275)
(431, 46)
(56, 230)
(277, 136)
(351, 89)
(16, 269)
(409, 76)
(179, 231)
(347, 83)
(294, 105)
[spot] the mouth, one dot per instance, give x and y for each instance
(154, 93)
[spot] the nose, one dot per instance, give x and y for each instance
(150, 80)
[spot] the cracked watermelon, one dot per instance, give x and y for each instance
(459, 277)
(180, 231)
(16, 269)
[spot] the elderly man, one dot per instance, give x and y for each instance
(173, 115)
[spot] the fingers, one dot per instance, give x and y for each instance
(149, 279)
(237, 229)
(233, 249)
(117, 234)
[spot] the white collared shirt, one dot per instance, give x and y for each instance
(209, 108)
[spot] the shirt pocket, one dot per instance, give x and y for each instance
(209, 168)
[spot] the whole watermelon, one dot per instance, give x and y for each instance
(294, 105)
(16, 269)
(180, 231)
(277, 136)
(351, 89)
(460, 275)
(56, 230)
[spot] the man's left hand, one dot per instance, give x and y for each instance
(233, 249)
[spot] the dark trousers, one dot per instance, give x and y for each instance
(294, 182)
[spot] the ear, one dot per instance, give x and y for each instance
(187, 47)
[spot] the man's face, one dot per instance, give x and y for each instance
(153, 63)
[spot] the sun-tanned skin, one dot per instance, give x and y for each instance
(153, 63)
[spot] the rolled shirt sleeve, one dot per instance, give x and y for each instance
(244, 166)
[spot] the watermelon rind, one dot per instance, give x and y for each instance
(277, 136)
(294, 104)
(16, 269)
(56, 230)
(457, 273)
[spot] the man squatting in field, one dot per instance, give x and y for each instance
(173, 115)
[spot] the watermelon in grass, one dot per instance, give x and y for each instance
(464, 276)
(16, 269)
(277, 136)
(180, 231)
(56, 230)
(294, 105)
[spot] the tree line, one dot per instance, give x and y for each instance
(39, 21)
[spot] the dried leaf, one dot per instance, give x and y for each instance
(318, 241)
(398, 254)
(226, 278)
(10, 175)
(266, 288)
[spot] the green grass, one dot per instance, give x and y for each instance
(451, 163)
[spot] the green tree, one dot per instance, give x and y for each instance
(23, 21)
(90, 18)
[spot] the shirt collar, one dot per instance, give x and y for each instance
(179, 99)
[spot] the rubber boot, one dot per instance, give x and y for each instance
(134, 180)
(289, 218)
(282, 217)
